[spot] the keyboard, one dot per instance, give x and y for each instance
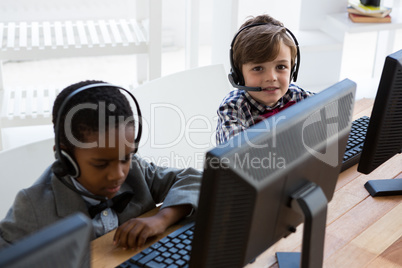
(355, 142)
(172, 251)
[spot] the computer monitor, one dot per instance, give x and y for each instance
(384, 133)
(255, 186)
(65, 243)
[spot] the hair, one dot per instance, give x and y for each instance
(261, 43)
(86, 121)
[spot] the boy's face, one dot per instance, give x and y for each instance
(104, 168)
(272, 76)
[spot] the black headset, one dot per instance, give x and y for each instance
(65, 164)
(235, 75)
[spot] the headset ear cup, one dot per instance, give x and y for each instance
(68, 167)
(292, 74)
(58, 169)
(240, 78)
(72, 167)
(233, 76)
(237, 77)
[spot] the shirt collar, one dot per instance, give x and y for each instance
(261, 107)
(90, 201)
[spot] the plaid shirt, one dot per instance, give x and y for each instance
(239, 111)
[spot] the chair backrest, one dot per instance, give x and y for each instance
(179, 115)
(20, 167)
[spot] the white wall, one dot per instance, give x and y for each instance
(174, 17)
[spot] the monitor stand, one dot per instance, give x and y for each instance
(384, 187)
(310, 200)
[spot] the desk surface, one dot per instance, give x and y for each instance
(361, 231)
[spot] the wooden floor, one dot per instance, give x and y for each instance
(362, 231)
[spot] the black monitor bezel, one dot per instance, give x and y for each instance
(40, 247)
(379, 146)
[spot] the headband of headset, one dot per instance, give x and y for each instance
(236, 77)
(65, 164)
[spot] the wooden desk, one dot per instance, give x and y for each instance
(361, 231)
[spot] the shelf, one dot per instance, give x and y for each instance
(339, 23)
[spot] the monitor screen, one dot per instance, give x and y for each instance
(255, 185)
(384, 133)
(65, 243)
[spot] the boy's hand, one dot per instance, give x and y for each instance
(134, 232)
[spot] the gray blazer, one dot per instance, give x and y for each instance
(48, 200)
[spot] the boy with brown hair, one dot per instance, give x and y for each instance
(265, 58)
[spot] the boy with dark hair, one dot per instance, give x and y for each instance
(103, 178)
(264, 58)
